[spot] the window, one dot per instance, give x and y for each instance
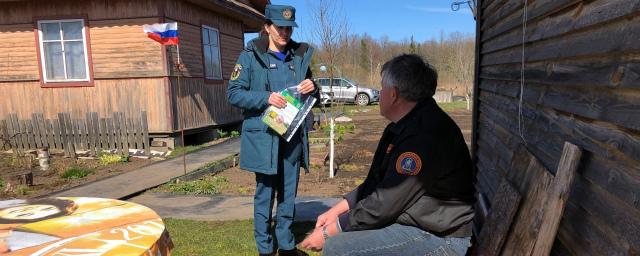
(63, 50)
(211, 52)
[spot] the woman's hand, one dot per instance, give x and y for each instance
(277, 100)
(306, 86)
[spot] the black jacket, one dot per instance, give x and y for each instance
(421, 176)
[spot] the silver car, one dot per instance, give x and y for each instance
(345, 90)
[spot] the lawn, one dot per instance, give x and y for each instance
(195, 238)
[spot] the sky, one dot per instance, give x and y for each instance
(398, 19)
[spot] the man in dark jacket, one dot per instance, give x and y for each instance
(418, 196)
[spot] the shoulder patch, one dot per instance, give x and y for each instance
(236, 72)
(408, 163)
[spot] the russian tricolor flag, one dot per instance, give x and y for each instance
(164, 33)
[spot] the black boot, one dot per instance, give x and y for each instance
(292, 252)
(267, 254)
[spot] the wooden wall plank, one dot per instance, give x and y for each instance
(145, 132)
(504, 207)
(582, 44)
(557, 198)
(107, 96)
(580, 16)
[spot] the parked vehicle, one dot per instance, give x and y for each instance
(345, 90)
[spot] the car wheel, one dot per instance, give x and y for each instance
(362, 99)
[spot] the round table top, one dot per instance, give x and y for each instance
(80, 226)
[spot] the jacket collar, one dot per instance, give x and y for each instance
(408, 119)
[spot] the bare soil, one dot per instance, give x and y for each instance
(47, 182)
(353, 156)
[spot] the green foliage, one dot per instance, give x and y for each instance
(76, 173)
(235, 134)
(192, 237)
(107, 159)
(212, 185)
(339, 130)
(222, 134)
(2, 183)
(179, 151)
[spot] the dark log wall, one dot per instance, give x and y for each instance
(581, 84)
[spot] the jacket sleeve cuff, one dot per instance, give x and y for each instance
(343, 222)
(352, 198)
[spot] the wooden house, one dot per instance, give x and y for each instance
(580, 84)
(81, 56)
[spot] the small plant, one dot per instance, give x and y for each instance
(222, 134)
(76, 173)
(107, 159)
(235, 134)
(2, 184)
(22, 190)
(243, 190)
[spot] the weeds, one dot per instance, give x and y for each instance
(107, 159)
(76, 173)
(22, 190)
(207, 186)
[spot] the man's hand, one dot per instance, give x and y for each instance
(306, 86)
(315, 241)
(277, 100)
(326, 218)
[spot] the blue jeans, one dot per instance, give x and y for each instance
(396, 239)
(282, 187)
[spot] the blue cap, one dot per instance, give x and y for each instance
(281, 15)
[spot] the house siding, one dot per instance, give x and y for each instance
(582, 61)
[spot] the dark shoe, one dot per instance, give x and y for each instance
(292, 252)
(267, 254)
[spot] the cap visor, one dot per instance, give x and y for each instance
(285, 23)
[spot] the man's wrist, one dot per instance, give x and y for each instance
(325, 233)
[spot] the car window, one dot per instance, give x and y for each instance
(344, 83)
(335, 82)
(323, 82)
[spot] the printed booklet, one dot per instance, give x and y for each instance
(285, 121)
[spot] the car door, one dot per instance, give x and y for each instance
(350, 90)
(338, 90)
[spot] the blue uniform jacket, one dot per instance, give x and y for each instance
(249, 90)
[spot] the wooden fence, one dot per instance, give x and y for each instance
(92, 133)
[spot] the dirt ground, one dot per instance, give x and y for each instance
(353, 158)
(46, 182)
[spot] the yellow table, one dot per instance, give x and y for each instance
(80, 226)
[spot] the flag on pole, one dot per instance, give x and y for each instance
(164, 33)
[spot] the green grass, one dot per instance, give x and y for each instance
(179, 151)
(453, 105)
(211, 185)
(220, 237)
(76, 173)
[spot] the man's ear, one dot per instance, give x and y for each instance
(395, 95)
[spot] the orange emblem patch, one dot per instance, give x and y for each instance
(408, 163)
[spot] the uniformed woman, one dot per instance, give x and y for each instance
(271, 63)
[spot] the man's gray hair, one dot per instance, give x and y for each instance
(414, 77)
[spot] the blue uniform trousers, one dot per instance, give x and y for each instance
(283, 187)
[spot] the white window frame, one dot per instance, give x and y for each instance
(64, 61)
(219, 54)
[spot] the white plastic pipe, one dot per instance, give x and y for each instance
(331, 138)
